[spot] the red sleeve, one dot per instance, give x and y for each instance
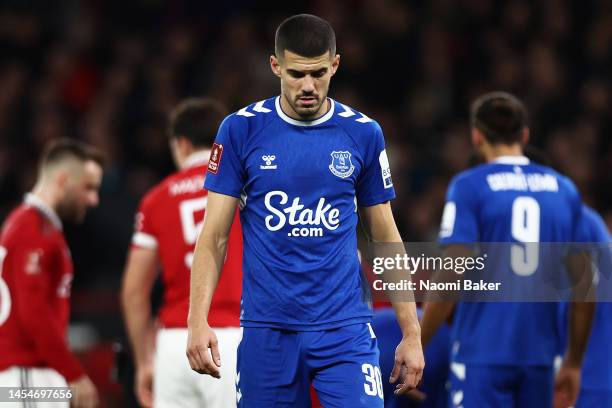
(144, 232)
(33, 264)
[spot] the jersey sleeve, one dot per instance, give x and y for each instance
(33, 264)
(459, 222)
(225, 173)
(374, 185)
(144, 230)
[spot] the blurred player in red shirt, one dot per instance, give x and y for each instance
(36, 274)
(167, 225)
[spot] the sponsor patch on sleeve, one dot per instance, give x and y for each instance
(385, 169)
(215, 158)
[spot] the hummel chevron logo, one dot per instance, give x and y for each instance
(258, 107)
(348, 113)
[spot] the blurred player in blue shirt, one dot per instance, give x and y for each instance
(503, 352)
(300, 164)
(596, 381)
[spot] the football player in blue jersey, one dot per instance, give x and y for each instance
(503, 352)
(300, 165)
(596, 381)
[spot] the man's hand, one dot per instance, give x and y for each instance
(84, 394)
(567, 386)
(409, 365)
(144, 385)
(199, 340)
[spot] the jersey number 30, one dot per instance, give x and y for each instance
(373, 385)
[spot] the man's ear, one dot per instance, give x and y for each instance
(275, 65)
(62, 179)
(525, 136)
(477, 137)
(335, 64)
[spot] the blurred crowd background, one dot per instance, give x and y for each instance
(108, 72)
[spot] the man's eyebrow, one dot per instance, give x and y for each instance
(307, 71)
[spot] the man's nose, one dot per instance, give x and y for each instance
(308, 84)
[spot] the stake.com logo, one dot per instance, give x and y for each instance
(324, 216)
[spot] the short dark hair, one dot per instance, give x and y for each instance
(58, 150)
(197, 120)
(500, 116)
(305, 35)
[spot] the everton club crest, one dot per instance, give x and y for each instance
(341, 165)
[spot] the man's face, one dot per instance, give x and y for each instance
(305, 81)
(81, 192)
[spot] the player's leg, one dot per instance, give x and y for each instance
(483, 386)
(537, 386)
(271, 372)
(221, 393)
(594, 399)
(345, 362)
(174, 383)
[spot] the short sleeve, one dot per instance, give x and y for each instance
(459, 222)
(374, 185)
(225, 173)
(144, 231)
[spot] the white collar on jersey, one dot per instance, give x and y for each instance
(287, 119)
(40, 205)
(514, 160)
(197, 158)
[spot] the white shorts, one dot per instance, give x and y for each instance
(175, 384)
(27, 377)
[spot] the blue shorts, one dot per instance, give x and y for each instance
(594, 399)
(437, 361)
(276, 368)
(501, 386)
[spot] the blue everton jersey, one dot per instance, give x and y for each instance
(508, 200)
(597, 363)
(300, 184)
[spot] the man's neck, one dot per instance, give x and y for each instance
(46, 201)
(494, 152)
(45, 194)
(289, 111)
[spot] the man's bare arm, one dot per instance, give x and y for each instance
(138, 280)
(437, 311)
(581, 314)
(409, 360)
(208, 259)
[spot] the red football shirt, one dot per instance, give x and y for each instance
(168, 221)
(35, 279)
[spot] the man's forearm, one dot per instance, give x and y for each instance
(137, 312)
(434, 315)
(580, 321)
(407, 318)
(208, 259)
